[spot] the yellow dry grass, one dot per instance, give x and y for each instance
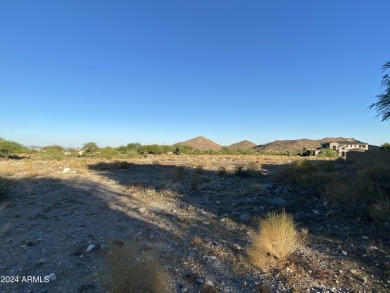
(276, 240)
(131, 271)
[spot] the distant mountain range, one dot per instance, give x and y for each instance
(295, 145)
(242, 145)
(201, 143)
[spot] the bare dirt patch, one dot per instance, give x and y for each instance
(61, 219)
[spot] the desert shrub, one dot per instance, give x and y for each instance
(131, 271)
(155, 149)
(305, 166)
(176, 173)
(328, 153)
(52, 152)
(108, 153)
(183, 149)
(299, 173)
(276, 240)
(227, 151)
(386, 146)
(4, 188)
(221, 171)
(124, 165)
(329, 166)
(90, 148)
(199, 169)
(380, 175)
(194, 183)
(10, 148)
(239, 171)
(250, 170)
(380, 210)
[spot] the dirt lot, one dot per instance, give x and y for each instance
(61, 218)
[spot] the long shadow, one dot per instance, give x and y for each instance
(221, 202)
(47, 225)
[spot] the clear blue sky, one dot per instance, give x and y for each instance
(158, 71)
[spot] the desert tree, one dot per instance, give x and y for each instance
(386, 146)
(90, 147)
(382, 106)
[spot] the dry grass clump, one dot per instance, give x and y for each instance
(277, 239)
(4, 188)
(131, 271)
(380, 210)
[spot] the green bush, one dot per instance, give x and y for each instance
(10, 148)
(108, 153)
(52, 152)
(328, 153)
(90, 148)
(386, 146)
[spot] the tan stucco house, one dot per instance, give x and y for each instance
(342, 147)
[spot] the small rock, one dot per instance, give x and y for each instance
(142, 210)
(245, 218)
(372, 248)
(40, 262)
(209, 283)
(52, 277)
(316, 212)
(344, 252)
(200, 280)
(66, 170)
(365, 238)
(90, 247)
(216, 243)
(210, 257)
(278, 201)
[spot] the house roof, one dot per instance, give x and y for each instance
(345, 142)
(351, 142)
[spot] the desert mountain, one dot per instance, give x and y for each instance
(242, 145)
(201, 143)
(298, 144)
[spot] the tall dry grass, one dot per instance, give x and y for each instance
(343, 185)
(131, 271)
(276, 240)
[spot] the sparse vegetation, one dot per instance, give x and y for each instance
(10, 148)
(129, 270)
(90, 148)
(155, 197)
(386, 146)
(348, 188)
(276, 240)
(380, 210)
(328, 153)
(4, 188)
(194, 184)
(251, 169)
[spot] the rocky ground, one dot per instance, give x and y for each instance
(62, 217)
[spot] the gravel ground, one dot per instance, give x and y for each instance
(61, 218)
